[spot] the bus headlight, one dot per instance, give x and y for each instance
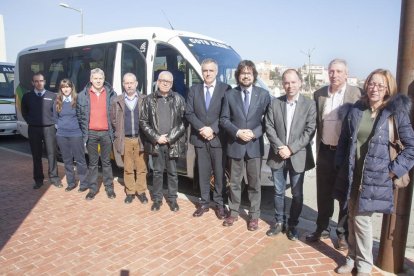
(8, 117)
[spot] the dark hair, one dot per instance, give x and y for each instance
(59, 97)
(38, 74)
(246, 64)
(292, 71)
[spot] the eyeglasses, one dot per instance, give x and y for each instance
(380, 87)
(164, 81)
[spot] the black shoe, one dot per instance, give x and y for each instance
(82, 189)
(317, 235)
(129, 199)
(174, 206)
(90, 196)
(70, 188)
(111, 194)
(143, 198)
(37, 185)
(156, 205)
(276, 229)
(292, 233)
(57, 183)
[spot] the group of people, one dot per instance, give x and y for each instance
(227, 127)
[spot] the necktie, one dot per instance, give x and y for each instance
(208, 97)
(246, 101)
(39, 94)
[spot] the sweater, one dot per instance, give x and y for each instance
(38, 111)
(67, 122)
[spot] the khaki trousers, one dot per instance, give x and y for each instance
(134, 161)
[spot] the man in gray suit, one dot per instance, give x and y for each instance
(242, 119)
(203, 113)
(331, 104)
(290, 127)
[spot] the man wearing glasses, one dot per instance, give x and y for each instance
(162, 122)
(37, 110)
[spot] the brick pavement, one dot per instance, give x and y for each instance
(52, 232)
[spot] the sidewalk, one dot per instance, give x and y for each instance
(52, 232)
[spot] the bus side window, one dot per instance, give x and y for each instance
(133, 61)
(168, 58)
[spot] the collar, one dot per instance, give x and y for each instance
(339, 92)
(37, 91)
(294, 101)
(250, 88)
(97, 93)
(131, 98)
(158, 93)
(213, 85)
(69, 98)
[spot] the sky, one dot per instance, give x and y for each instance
(364, 32)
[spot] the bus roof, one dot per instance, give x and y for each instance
(155, 33)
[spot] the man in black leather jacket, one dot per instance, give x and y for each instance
(162, 122)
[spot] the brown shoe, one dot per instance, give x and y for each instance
(253, 225)
(345, 269)
(342, 244)
(220, 212)
(229, 221)
(200, 211)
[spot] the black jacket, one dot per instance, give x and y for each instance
(149, 124)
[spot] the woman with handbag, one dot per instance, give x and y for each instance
(365, 140)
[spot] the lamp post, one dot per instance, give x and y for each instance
(78, 10)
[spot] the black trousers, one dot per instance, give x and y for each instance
(326, 175)
(161, 162)
(99, 144)
(37, 137)
(210, 159)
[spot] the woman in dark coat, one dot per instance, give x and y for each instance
(364, 139)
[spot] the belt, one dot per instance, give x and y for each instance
(327, 147)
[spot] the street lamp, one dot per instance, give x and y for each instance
(78, 10)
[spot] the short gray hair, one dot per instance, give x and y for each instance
(166, 73)
(209, 60)
(129, 75)
(98, 71)
(340, 61)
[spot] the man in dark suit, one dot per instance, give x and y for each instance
(242, 119)
(290, 127)
(203, 113)
(331, 105)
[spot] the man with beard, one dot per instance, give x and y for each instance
(242, 118)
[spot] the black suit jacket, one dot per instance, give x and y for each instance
(234, 118)
(198, 117)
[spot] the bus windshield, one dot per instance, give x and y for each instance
(6, 81)
(225, 56)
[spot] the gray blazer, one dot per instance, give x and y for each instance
(234, 118)
(198, 117)
(352, 94)
(302, 131)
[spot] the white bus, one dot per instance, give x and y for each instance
(142, 51)
(8, 120)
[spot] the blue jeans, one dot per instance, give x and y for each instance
(296, 182)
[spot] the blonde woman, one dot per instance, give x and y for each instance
(364, 144)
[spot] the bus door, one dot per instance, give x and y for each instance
(130, 59)
(169, 58)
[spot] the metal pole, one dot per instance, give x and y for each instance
(394, 232)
